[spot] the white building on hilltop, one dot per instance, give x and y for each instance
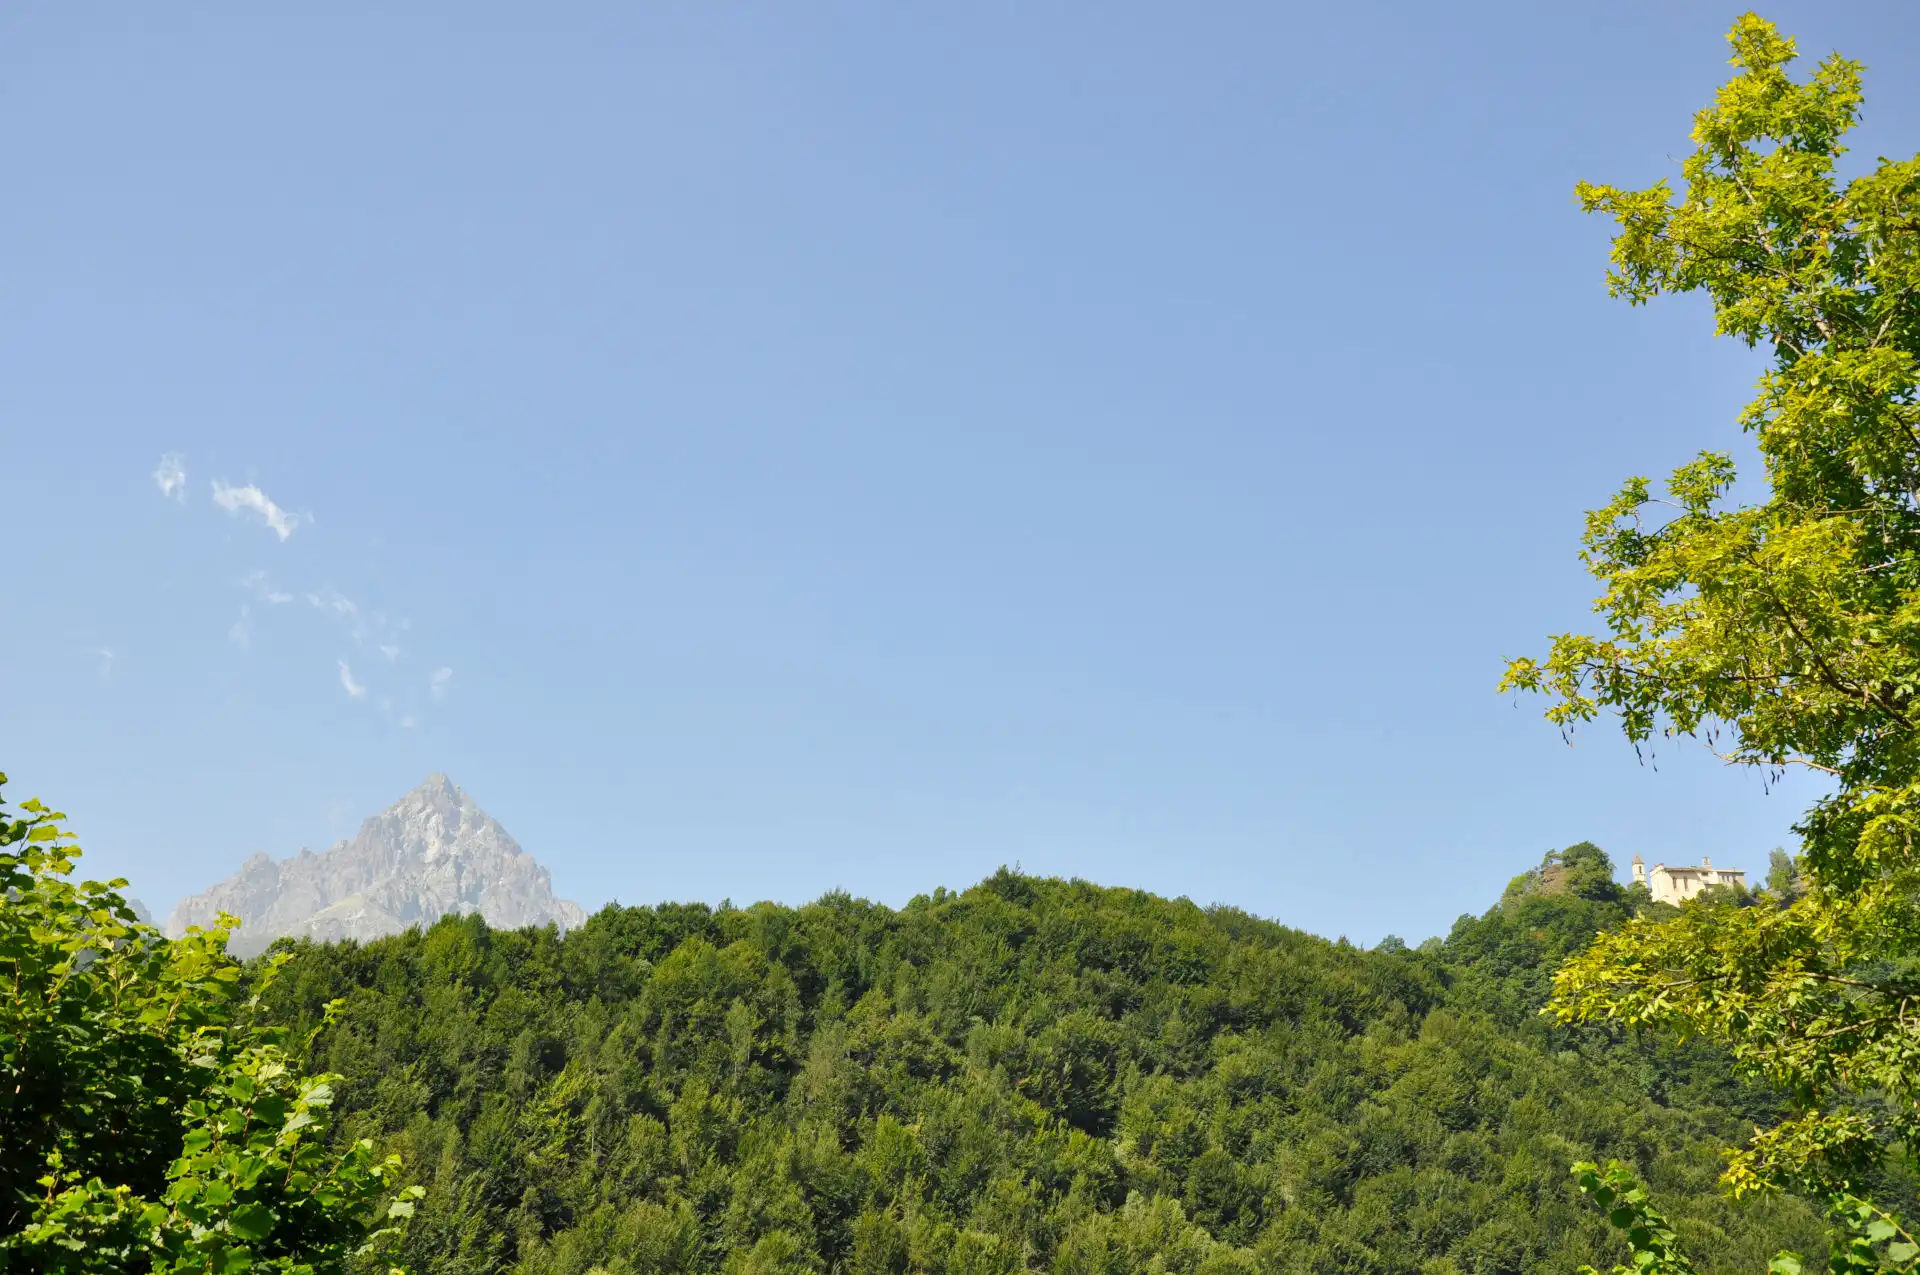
(1677, 885)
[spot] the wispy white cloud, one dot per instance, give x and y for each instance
(367, 629)
(377, 640)
(171, 477)
(334, 601)
(408, 721)
(256, 583)
(106, 657)
(251, 499)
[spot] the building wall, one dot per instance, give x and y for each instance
(1677, 885)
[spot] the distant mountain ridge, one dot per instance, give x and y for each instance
(432, 853)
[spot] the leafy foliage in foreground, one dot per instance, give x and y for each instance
(149, 1121)
(1030, 1075)
(1783, 633)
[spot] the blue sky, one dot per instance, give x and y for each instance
(758, 449)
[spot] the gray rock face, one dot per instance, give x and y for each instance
(431, 853)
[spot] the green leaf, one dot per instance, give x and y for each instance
(252, 1221)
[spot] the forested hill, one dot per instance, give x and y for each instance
(1029, 1075)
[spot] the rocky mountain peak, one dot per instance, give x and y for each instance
(431, 853)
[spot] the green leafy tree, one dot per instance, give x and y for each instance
(1784, 633)
(1783, 876)
(1028, 1075)
(149, 1120)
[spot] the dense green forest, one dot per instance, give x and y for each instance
(1028, 1075)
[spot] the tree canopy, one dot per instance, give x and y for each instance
(150, 1118)
(1784, 633)
(1030, 1075)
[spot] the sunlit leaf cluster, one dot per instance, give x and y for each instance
(150, 1118)
(1783, 632)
